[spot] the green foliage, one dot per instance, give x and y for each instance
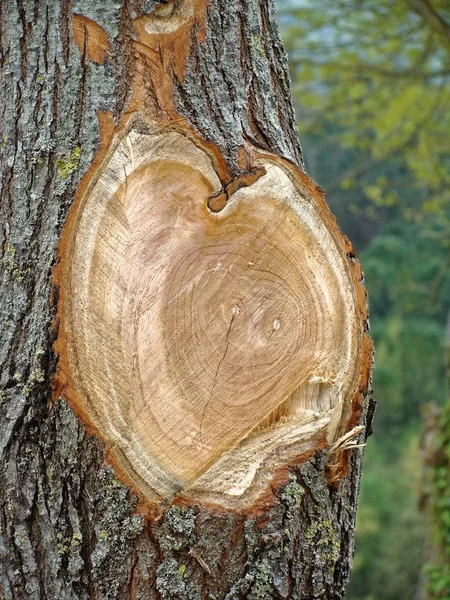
(389, 534)
(378, 73)
(371, 83)
(408, 281)
(438, 581)
(438, 571)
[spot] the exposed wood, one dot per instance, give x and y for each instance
(80, 83)
(192, 336)
(91, 39)
(199, 318)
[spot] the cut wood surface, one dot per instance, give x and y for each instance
(207, 348)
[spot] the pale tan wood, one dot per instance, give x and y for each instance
(206, 348)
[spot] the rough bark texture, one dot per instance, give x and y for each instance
(67, 527)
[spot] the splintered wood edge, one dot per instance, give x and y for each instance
(247, 470)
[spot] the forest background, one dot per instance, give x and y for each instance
(371, 83)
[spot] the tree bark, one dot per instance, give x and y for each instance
(69, 529)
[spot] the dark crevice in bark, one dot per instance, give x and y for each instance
(79, 106)
(124, 65)
(66, 19)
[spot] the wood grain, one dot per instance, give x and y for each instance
(207, 348)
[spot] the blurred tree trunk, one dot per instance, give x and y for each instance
(435, 493)
(67, 528)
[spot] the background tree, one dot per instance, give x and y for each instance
(371, 85)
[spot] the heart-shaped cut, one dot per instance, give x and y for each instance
(188, 331)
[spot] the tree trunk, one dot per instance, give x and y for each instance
(79, 519)
(434, 580)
